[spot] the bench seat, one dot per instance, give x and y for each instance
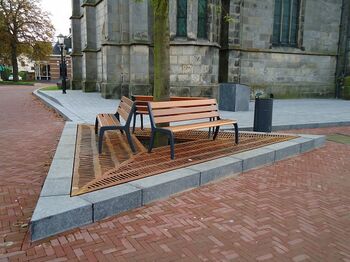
(107, 121)
(204, 110)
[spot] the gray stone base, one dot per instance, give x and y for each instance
(76, 84)
(117, 90)
(89, 86)
(195, 90)
(56, 211)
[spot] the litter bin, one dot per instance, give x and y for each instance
(263, 114)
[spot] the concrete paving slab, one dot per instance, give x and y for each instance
(218, 168)
(61, 168)
(56, 214)
(163, 185)
(56, 187)
(113, 200)
(256, 157)
(287, 113)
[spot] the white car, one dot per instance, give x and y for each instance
(11, 77)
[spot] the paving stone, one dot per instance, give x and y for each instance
(57, 187)
(113, 200)
(284, 149)
(163, 185)
(218, 168)
(56, 214)
(255, 158)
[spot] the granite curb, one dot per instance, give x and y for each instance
(57, 211)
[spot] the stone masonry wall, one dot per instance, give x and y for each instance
(194, 70)
(284, 71)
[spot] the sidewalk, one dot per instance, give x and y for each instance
(287, 114)
(295, 210)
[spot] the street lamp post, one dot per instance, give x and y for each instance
(63, 63)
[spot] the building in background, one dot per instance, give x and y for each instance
(291, 48)
(49, 69)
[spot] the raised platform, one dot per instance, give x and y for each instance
(57, 211)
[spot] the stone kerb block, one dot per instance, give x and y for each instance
(256, 157)
(163, 185)
(284, 149)
(56, 214)
(218, 168)
(113, 200)
(234, 97)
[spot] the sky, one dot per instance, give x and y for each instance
(60, 11)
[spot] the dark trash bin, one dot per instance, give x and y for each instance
(263, 114)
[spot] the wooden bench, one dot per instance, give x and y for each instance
(180, 111)
(112, 122)
(141, 107)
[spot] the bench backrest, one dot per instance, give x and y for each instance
(176, 111)
(126, 109)
(141, 101)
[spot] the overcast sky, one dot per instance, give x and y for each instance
(60, 11)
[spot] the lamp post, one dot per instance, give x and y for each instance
(63, 70)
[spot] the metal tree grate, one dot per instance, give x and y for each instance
(118, 165)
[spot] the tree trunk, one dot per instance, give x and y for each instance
(14, 61)
(161, 38)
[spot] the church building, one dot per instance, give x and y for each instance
(291, 48)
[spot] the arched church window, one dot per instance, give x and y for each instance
(181, 29)
(202, 19)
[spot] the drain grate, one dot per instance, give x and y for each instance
(117, 165)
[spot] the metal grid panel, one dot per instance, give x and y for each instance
(116, 165)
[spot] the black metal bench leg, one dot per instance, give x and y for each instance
(96, 126)
(216, 132)
(100, 140)
(141, 118)
(236, 132)
(151, 142)
(128, 135)
(134, 123)
(172, 150)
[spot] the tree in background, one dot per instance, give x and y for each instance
(24, 28)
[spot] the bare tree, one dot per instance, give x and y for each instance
(25, 24)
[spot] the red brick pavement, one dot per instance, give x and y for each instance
(295, 210)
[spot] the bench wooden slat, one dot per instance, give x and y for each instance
(185, 117)
(107, 120)
(183, 110)
(170, 104)
(110, 122)
(127, 101)
(125, 107)
(221, 122)
(142, 98)
(123, 113)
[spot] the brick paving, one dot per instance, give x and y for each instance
(295, 210)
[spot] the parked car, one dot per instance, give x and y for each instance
(11, 77)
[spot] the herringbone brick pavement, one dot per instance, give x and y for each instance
(295, 210)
